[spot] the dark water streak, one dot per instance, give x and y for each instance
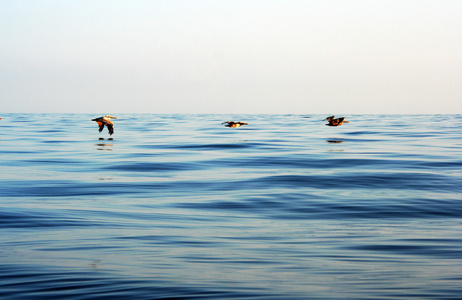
(180, 207)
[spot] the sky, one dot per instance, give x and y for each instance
(223, 56)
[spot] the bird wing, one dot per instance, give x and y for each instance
(110, 127)
(101, 125)
(340, 120)
(329, 119)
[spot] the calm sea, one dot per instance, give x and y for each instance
(181, 207)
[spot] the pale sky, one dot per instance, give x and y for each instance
(220, 56)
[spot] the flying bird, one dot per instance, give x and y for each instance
(335, 122)
(233, 124)
(106, 120)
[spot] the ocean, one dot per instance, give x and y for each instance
(181, 207)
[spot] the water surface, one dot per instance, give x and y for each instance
(181, 207)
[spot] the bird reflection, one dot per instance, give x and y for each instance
(105, 146)
(96, 263)
(334, 141)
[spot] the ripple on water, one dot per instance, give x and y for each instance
(184, 208)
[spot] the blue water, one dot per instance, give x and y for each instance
(181, 207)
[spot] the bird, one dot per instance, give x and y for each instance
(106, 120)
(233, 124)
(335, 122)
